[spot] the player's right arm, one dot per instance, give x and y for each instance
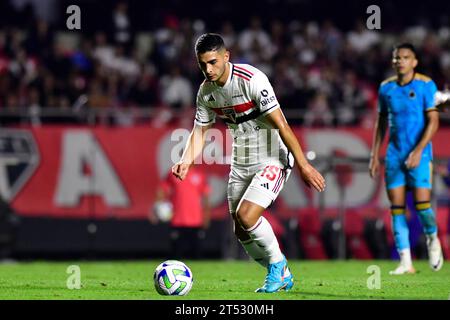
(204, 119)
(378, 137)
(309, 174)
(192, 150)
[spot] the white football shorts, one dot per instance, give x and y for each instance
(259, 184)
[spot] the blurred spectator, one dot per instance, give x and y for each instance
(191, 211)
(318, 112)
(177, 99)
(59, 63)
(361, 39)
(34, 106)
(255, 39)
(40, 40)
(103, 51)
(332, 39)
(228, 34)
(121, 25)
(144, 92)
(97, 95)
(176, 90)
(352, 100)
(23, 67)
(300, 56)
(444, 172)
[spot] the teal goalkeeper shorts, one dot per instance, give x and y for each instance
(397, 175)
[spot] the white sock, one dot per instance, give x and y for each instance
(262, 234)
(405, 257)
(255, 251)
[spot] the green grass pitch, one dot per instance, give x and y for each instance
(220, 280)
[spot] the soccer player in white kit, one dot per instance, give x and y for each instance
(264, 151)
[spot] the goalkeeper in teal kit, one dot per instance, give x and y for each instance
(406, 105)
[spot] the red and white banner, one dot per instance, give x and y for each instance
(107, 172)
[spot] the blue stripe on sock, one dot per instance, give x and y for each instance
(401, 231)
(428, 220)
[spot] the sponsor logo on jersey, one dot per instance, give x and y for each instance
(230, 113)
(265, 102)
(211, 98)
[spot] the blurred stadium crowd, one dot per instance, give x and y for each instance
(323, 75)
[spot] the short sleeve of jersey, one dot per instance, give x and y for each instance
(203, 115)
(262, 93)
(382, 107)
(430, 90)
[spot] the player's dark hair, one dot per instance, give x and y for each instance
(406, 45)
(209, 42)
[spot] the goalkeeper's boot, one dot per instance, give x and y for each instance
(403, 269)
(278, 278)
(435, 256)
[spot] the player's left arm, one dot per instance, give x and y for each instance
(262, 93)
(432, 126)
(309, 174)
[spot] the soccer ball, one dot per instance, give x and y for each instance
(173, 277)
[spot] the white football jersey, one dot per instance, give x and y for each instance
(243, 102)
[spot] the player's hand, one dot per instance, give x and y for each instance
(312, 177)
(180, 170)
(413, 159)
(374, 166)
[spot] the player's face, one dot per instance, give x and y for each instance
(403, 61)
(213, 64)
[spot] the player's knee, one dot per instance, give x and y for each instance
(244, 218)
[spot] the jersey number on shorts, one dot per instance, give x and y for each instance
(270, 172)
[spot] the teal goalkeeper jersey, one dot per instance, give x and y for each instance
(406, 108)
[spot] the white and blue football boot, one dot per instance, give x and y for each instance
(435, 255)
(278, 278)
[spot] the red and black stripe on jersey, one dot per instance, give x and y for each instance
(242, 73)
(239, 109)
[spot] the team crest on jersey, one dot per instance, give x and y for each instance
(211, 98)
(229, 113)
(412, 94)
(19, 158)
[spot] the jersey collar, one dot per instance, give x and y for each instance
(230, 76)
(409, 82)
